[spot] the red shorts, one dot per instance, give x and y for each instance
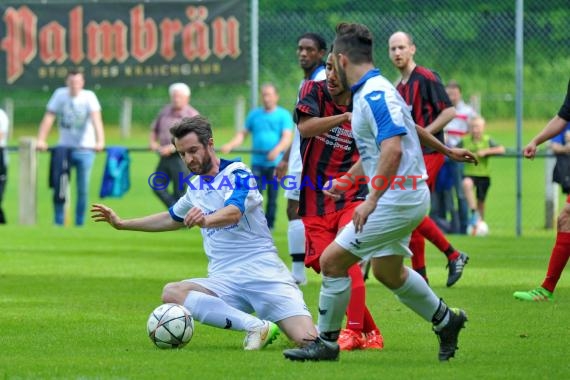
(320, 231)
(434, 162)
(568, 199)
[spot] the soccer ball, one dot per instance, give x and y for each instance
(170, 326)
(480, 229)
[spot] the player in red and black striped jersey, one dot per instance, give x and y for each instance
(561, 251)
(431, 109)
(328, 150)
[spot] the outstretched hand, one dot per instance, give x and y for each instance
(463, 155)
(102, 213)
(529, 151)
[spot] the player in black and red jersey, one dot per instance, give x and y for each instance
(431, 109)
(328, 150)
(561, 250)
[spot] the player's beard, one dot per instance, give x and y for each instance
(204, 167)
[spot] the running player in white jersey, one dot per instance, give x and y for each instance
(398, 199)
(311, 50)
(245, 273)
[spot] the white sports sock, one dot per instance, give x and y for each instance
(333, 300)
(296, 236)
(418, 296)
(213, 311)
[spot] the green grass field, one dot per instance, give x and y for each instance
(75, 301)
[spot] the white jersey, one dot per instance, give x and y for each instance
(379, 112)
(295, 161)
(458, 127)
(74, 117)
(238, 244)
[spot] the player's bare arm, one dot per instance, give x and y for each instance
(152, 223)
(441, 120)
(221, 218)
(311, 126)
(339, 185)
(554, 127)
(387, 167)
(456, 154)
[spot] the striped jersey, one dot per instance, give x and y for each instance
(326, 156)
(295, 164)
(426, 97)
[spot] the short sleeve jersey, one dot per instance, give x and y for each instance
(230, 246)
(295, 163)
(326, 156)
(379, 113)
(425, 94)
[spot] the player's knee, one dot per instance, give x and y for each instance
(293, 209)
(172, 293)
(564, 219)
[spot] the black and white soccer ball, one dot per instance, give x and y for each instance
(170, 326)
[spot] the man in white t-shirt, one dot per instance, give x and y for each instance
(3, 160)
(78, 113)
(311, 50)
(398, 200)
(442, 199)
(245, 273)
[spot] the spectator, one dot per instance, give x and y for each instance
(478, 177)
(271, 129)
(3, 160)
(80, 133)
(442, 201)
(170, 163)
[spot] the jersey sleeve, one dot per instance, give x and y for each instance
(179, 210)
(492, 143)
(385, 114)
(564, 112)
(94, 105)
(54, 103)
(237, 194)
(309, 100)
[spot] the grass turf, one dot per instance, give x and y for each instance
(75, 301)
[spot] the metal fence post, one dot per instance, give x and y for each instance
(28, 201)
(126, 117)
(239, 113)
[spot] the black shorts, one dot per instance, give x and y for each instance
(482, 185)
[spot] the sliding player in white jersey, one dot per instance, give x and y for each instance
(245, 273)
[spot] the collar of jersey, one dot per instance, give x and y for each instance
(223, 164)
(370, 74)
(316, 72)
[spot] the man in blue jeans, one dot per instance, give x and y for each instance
(271, 130)
(80, 135)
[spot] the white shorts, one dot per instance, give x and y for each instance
(386, 232)
(265, 287)
(293, 186)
